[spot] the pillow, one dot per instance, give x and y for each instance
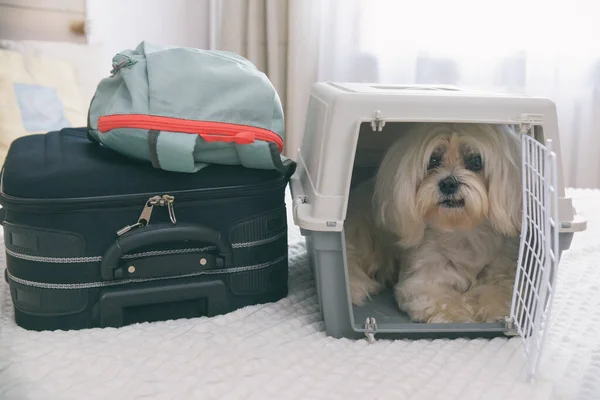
(37, 95)
(90, 62)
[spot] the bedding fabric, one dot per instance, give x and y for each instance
(280, 350)
(88, 61)
(37, 95)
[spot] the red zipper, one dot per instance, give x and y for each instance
(209, 131)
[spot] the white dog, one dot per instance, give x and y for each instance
(440, 222)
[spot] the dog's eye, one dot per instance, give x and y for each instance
(474, 163)
(434, 161)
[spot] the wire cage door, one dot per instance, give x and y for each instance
(538, 253)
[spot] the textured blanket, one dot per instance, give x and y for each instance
(280, 350)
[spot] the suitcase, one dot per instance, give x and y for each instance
(96, 239)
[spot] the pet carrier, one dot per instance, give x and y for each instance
(347, 129)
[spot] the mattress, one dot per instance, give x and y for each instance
(280, 350)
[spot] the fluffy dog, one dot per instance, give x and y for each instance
(440, 222)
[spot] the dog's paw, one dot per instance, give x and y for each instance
(361, 289)
(439, 310)
(452, 315)
(492, 311)
(491, 303)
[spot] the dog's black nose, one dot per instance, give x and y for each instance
(448, 185)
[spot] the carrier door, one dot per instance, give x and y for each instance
(538, 254)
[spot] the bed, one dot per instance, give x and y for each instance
(280, 351)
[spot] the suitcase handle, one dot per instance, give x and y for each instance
(115, 303)
(157, 234)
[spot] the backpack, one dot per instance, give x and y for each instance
(182, 109)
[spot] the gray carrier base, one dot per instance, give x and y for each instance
(327, 260)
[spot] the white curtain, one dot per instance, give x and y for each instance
(257, 29)
(531, 47)
(281, 37)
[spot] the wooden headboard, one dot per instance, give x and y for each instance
(56, 20)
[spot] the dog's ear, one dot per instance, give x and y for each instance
(504, 177)
(394, 202)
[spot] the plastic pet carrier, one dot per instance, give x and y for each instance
(348, 128)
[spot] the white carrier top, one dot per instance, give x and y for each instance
(337, 110)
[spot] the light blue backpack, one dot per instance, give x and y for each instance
(183, 108)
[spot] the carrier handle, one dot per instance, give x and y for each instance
(157, 234)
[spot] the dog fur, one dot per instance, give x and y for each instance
(440, 230)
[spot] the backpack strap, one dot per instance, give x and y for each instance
(153, 147)
(173, 151)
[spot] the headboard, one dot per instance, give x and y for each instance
(53, 20)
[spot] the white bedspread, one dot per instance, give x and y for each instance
(279, 351)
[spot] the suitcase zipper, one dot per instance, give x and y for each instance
(207, 130)
(144, 219)
(195, 195)
(119, 282)
(153, 253)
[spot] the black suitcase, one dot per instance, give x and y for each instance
(96, 239)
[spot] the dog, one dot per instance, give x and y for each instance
(440, 222)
